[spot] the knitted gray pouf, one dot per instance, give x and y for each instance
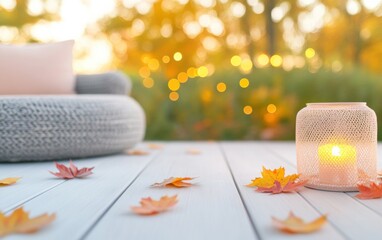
(63, 127)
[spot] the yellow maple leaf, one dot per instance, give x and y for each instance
(294, 224)
(175, 182)
(20, 222)
(9, 181)
(270, 176)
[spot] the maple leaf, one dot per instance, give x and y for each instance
(9, 181)
(174, 181)
(269, 177)
(369, 192)
(193, 151)
(277, 188)
(20, 222)
(152, 207)
(72, 171)
(155, 146)
(294, 224)
(137, 152)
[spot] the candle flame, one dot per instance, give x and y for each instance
(336, 151)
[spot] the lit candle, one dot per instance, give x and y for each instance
(338, 164)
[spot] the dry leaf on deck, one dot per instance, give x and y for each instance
(193, 151)
(277, 188)
(72, 171)
(20, 222)
(154, 146)
(175, 182)
(151, 207)
(137, 152)
(275, 181)
(270, 176)
(370, 191)
(9, 181)
(295, 224)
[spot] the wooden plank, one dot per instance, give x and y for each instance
(35, 180)
(246, 160)
(79, 203)
(355, 218)
(210, 210)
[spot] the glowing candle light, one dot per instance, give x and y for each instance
(337, 164)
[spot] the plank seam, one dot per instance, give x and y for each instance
(22, 202)
(238, 191)
(99, 218)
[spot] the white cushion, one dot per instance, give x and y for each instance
(37, 68)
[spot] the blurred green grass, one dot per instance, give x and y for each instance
(203, 113)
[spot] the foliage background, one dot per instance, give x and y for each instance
(218, 69)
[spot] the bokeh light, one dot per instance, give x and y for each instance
(202, 71)
(173, 84)
(178, 56)
(173, 96)
(244, 82)
(247, 110)
(271, 108)
(221, 87)
(276, 60)
(236, 60)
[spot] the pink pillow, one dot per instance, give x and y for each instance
(37, 68)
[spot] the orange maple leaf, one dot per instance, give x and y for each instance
(193, 151)
(72, 171)
(137, 152)
(370, 191)
(277, 188)
(9, 181)
(269, 177)
(155, 146)
(151, 207)
(294, 224)
(175, 182)
(20, 222)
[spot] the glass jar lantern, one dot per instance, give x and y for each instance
(336, 145)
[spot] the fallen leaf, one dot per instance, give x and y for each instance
(72, 171)
(137, 152)
(295, 224)
(277, 188)
(269, 177)
(20, 222)
(174, 181)
(151, 207)
(155, 146)
(9, 181)
(193, 151)
(379, 174)
(369, 191)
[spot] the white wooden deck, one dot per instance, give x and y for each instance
(218, 207)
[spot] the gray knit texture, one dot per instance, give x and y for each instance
(63, 127)
(103, 83)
